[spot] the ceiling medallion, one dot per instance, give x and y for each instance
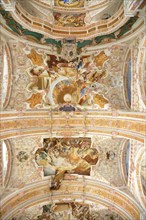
(69, 50)
(22, 156)
(70, 3)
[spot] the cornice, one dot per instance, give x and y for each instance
(101, 27)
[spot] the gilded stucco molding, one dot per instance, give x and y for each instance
(30, 123)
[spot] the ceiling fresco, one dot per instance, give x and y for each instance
(54, 159)
(73, 110)
(54, 14)
(69, 211)
(60, 156)
(69, 20)
(72, 4)
(69, 3)
(67, 82)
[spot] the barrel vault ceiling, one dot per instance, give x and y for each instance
(73, 96)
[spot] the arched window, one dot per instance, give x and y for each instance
(6, 76)
(125, 160)
(6, 163)
(128, 80)
(127, 152)
(4, 160)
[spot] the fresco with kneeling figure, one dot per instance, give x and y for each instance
(59, 156)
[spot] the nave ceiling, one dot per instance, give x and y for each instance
(73, 110)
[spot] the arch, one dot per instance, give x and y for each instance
(137, 176)
(82, 189)
(143, 173)
(124, 160)
(85, 123)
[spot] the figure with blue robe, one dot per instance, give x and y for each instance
(67, 1)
